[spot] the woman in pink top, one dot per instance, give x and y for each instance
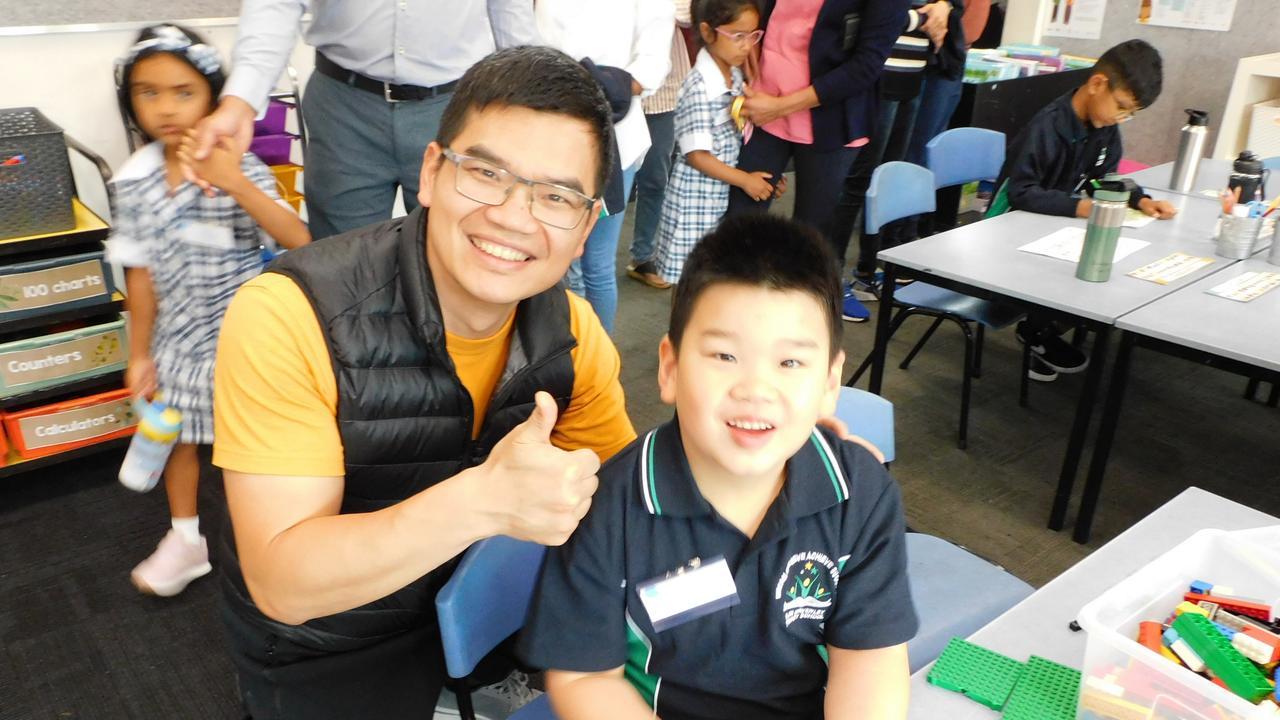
(815, 98)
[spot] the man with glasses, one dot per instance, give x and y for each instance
(1051, 163)
(391, 395)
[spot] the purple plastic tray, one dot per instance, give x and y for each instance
(273, 122)
(272, 149)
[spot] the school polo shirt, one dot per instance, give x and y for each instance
(827, 566)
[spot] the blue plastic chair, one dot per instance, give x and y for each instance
(484, 603)
(912, 193)
(1271, 163)
(869, 416)
(954, 591)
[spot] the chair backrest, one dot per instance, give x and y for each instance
(1271, 163)
(486, 600)
(964, 154)
(897, 190)
(870, 416)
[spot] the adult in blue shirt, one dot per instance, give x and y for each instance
(385, 70)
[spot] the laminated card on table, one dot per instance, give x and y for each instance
(1246, 287)
(1170, 268)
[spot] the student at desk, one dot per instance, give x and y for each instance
(1073, 140)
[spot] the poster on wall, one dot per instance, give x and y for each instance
(1081, 19)
(1189, 14)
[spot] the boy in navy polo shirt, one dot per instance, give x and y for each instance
(737, 562)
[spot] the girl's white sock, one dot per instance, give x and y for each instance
(188, 528)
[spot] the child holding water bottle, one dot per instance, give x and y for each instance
(707, 136)
(185, 251)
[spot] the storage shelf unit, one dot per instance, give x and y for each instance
(87, 236)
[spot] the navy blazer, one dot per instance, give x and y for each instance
(846, 82)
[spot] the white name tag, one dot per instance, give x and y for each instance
(218, 237)
(695, 590)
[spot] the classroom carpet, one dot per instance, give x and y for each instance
(77, 641)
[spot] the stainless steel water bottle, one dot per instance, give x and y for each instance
(1190, 150)
(1110, 203)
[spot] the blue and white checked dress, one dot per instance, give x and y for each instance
(199, 251)
(694, 202)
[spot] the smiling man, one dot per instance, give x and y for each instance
(386, 397)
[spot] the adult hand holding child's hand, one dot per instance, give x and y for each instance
(232, 120)
(538, 491)
(221, 167)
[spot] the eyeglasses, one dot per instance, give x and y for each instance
(750, 38)
(1123, 114)
(484, 182)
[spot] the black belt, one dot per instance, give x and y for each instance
(389, 91)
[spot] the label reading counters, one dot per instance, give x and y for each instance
(24, 367)
(52, 286)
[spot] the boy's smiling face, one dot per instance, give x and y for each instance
(752, 376)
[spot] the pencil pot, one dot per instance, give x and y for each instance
(1238, 237)
(35, 175)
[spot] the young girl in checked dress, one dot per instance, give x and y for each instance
(185, 252)
(706, 134)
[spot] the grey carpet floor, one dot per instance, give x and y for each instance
(76, 641)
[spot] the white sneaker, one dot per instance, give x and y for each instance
(172, 566)
(492, 702)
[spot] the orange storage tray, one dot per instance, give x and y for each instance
(69, 424)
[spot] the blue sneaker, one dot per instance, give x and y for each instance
(854, 310)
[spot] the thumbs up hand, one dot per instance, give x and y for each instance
(538, 491)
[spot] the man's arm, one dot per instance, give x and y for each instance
(580, 696)
(268, 31)
(303, 560)
(866, 684)
(513, 23)
(651, 44)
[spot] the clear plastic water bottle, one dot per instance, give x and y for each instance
(158, 427)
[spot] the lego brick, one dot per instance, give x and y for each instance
(1189, 657)
(982, 675)
(1227, 632)
(1201, 587)
(1253, 648)
(1045, 691)
(1149, 633)
(1185, 606)
(1240, 675)
(1235, 605)
(1103, 705)
(1210, 607)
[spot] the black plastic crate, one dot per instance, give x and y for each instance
(35, 194)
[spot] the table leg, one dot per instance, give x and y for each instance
(1079, 429)
(883, 321)
(1106, 434)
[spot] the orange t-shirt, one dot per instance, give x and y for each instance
(275, 396)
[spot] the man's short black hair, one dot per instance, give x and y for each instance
(765, 251)
(537, 78)
(1134, 65)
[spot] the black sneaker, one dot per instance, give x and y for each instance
(1053, 351)
(1039, 371)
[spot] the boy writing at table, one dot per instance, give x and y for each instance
(1071, 142)
(737, 562)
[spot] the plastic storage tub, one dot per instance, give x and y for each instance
(62, 426)
(1249, 561)
(53, 359)
(272, 122)
(41, 287)
(273, 149)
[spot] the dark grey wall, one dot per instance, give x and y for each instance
(1198, 68)
(19, 13)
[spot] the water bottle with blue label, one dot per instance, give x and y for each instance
(153, 441)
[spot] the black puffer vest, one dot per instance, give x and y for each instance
(404, 417)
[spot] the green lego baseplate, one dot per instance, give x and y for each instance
(1239, 673)
(983, 675)
(1045, 691)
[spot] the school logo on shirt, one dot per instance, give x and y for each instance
(807, 587)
